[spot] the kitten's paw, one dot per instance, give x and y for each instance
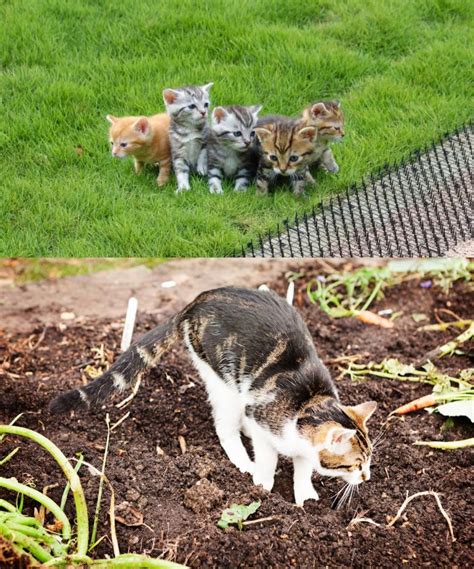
(160, 182)
(202, 169)
(183, 188)
(240, 189)
(215, 189)
(302, 495)
(332, 168)
(262, 480)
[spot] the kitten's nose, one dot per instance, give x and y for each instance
(246, 142)
(203, 113)
(283, 170)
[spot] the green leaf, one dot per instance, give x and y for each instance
(237, 514)
(398, 368)
(419, 316)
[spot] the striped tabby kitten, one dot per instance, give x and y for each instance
(328, 118)
(146, 139)
(188, 108)
(285, 146)
(230, 147)
(263, 378)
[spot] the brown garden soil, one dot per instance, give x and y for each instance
(181, 491)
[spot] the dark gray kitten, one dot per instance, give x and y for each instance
(188, 108)
(230, 147)
(263, 378)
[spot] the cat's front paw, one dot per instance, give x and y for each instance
(247, 467)
(332, 168)
(215, 188)
(263, 480)
(185, 187)
(301, 495)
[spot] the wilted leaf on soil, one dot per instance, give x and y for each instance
(128, 515)
(237, 514)
(458, 409)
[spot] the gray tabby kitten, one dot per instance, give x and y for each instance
(230, 147)
(188, 108)
(263, 378)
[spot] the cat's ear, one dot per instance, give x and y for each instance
(263, 133)
(207, 87)
(364, 411)
(338, 437)
(337, 104)
(218, 114)
(111, 119)
(308, 132)
(255, 109)
(142, 125)
(319, 109)
(170, 96)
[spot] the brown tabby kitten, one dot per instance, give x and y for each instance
(285, 147)
(263, 378)
(328, 118)
(146, 139)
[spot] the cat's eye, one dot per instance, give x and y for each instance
(294, 158)
(111, 142)
(237, 133)
(206, 105)
(193, 106)
(252, 134)
(273, 157)
(123, 144)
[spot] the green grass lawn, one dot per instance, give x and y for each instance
(402, 69)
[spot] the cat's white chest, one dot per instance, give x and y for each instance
(193, 147)
(231, 165)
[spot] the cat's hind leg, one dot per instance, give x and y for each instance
(228, 422)
(266, 459)
(165, 171)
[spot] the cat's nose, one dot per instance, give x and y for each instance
(203, 113)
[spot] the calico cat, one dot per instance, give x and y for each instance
(285, 148)
(188, 108)
(328, 118)
(263, 377)
(230, 147)
(146, 139)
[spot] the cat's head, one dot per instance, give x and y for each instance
(286, 145)
(127, 135)
(328, 118)
(340, 438)
(235, 126)
(188, 105)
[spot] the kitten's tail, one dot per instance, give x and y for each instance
(142, 355)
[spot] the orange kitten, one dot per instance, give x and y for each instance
(146, 139)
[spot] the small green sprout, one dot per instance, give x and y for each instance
(237, 514)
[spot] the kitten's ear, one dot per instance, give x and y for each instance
(142, 125)
(218, 114)
(337, 104)
(337, 437)
(319, 109)
(255, 109)
(111, 119)
(263, 133)
(364, 411)
(308, 132)
(207, 87)
(170, 96)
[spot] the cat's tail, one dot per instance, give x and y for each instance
(142, 355)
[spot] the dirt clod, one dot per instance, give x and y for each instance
(203, 496)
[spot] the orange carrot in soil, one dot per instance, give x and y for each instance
(368, 317)
(417, 404)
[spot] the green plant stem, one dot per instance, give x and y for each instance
(15, 486)
(9, 456)
(125, 561)
(71, 475)
(101, 483)
(446, 445)
(26, 542)
(68, 485)
(7, 506)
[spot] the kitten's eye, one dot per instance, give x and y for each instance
(123, 144)
(252, 134)
(237, 133)
(273, 157)
(206, 105)
(193, 106)
(294, 158)
(111, 142)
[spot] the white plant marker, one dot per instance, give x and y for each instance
(129, 323)
(290, 293)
